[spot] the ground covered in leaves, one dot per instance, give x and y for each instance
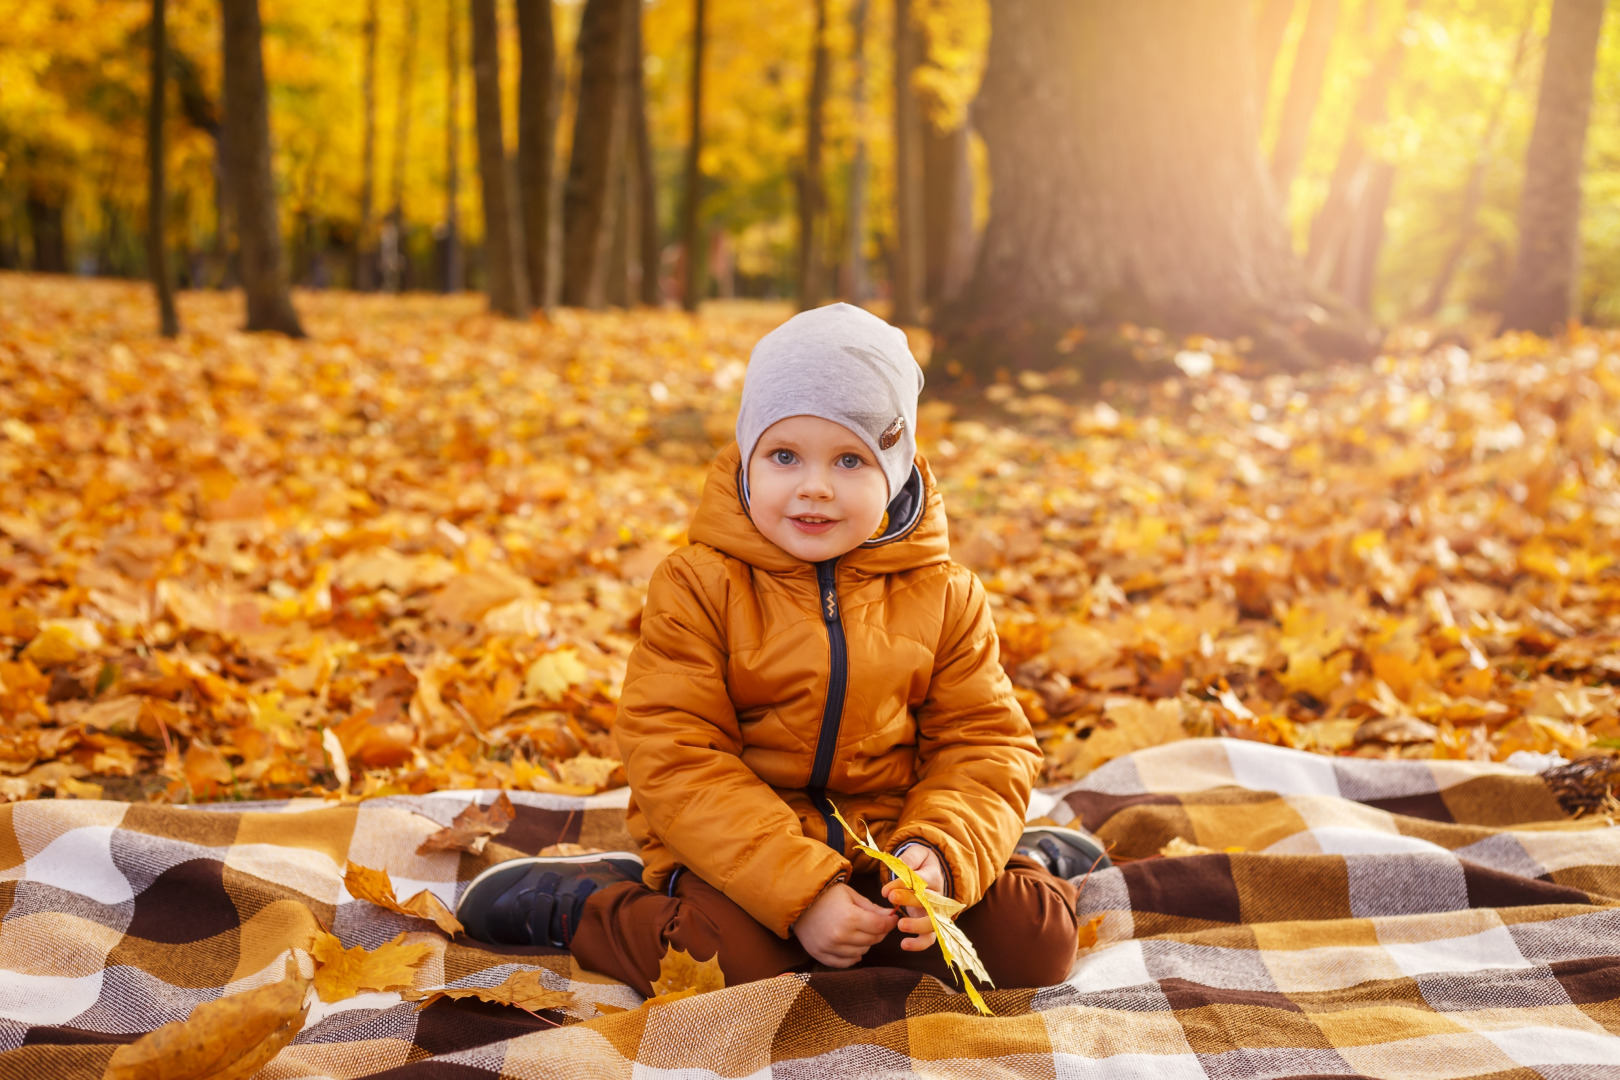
(409, 553)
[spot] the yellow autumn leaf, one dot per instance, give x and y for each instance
(374, 886)
(1086, 937)
(680, 976)
(230, 1038)
(550, 676)
(521, 988)
(342, 973)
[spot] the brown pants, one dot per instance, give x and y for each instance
(1023, 930)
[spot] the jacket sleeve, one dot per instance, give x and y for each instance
(976, 755)
(681, 743)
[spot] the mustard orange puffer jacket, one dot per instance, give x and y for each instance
(765, 690)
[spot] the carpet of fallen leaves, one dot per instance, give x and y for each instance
(409, 553)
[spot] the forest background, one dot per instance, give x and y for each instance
(1270, 384)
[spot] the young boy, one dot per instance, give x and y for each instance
(813, 647)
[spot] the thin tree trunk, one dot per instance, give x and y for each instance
(1270, 25)
(451, 255)
(1358, 268)
(393, 255)
(508, 287)
(157, 252)
(1353, 175)
(812, 193)
(618, 289)
(365, 248)
(909, 254)
(645, 193)
(859, 168)
(947, 211)
(588, 206)
(1474, 189)
(537, 137)
(1304, 91)
(692, 246)
(1541, 295)
(247, 124)
(1093, 224)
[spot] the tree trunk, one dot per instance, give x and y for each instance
(1304, 91)
(645, 182)
(503, 248)
(1270, 25)
(1096, 220)
(1541, 293)
(909, 254)
(947, 211)
(1358, 267)
(692, 246)
(253, 190)
(1474, 190)
(450, 244)
(618, 286)
(537, 138)
(588, 206)
(393, 253)
(855, 285)
(812, 190)
(156, 249)
(365, 266)
(1353, 175)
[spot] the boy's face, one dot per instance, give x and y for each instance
(814, 489)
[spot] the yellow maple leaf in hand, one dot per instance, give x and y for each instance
(373, 886)
(954, 945)
(342, 973)
(680, 976)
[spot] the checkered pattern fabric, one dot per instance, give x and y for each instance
(1388, 919)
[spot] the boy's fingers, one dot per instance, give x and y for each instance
(917, 944)
(867, 905)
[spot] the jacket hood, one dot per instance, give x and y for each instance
(722, 522)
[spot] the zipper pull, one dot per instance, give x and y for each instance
(827, 579)
(829, 604)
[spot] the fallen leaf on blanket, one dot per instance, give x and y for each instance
(954, 945)
(680, 976)
(521, 988)
(373, 886)
(608, 1010)
(472, 828)
(1178, 848)
(1088, 931)
(230, 1038)
(342, 973)
(569, 849)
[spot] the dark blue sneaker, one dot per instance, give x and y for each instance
(1065, 852)
(538, 900)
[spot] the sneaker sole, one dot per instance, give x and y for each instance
(519, 867)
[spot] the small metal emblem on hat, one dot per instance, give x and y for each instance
(892, 433)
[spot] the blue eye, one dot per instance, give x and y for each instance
(851, 461)
(782, 457)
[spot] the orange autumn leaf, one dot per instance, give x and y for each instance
(230, 1038)
(521, 988)
(1087, 935)
(680, 976)
(342, 973)
(374, 886)
(472, 828)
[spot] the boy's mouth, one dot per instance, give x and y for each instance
(812, 523)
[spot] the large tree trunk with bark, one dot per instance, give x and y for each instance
(1541, 294)
(1092, 112)
(450, 243)
(909, 252)
(157, 250)
(855, 282)
(812, 185)
(693, 250)
(644, 184)
(589, 208)
(365, 248)
(503, 238)
(252, 188)
(947, 212)
(1304, 91)
(537, 137)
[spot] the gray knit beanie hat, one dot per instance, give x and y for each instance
(843, 364)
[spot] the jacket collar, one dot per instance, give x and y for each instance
(722, 522)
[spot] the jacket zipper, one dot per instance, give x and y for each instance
(833, 711)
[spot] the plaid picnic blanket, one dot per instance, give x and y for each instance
(1353, 918)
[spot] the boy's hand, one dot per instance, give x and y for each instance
(924, 860)
(841, 925)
